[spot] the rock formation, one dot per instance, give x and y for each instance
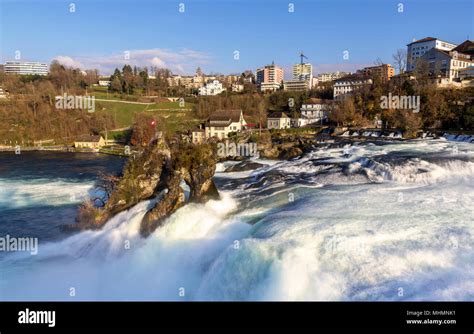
(158, 172)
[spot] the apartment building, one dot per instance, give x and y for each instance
(296, 85)
(325, 77)
(385, 72)
(315, 110)
(25, 68)
(269, 78)
(302, 72)
(345, 86)
(447, 64)
(211, 88)
(302, 78)
(418, 48)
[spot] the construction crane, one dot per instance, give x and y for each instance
(302, 56)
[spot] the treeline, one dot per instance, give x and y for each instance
(30, 114)
(256, 106)
(59, 80)
(136, 80)
(440, 108)
(25, 121)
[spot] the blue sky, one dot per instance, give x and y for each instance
(208, 33)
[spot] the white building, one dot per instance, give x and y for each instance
(3, 94)
(418, 48)
(278, 120)
(302, 78)
(447, 64)
(237, 88)
(344, 87)
(299, 122)
(104, 83)
(466, 73)
(316, 110)
(303, 72)
(25, 68)
(325, 77)
(296, 85)
(212, 88)
(223, 122)
(450, 68)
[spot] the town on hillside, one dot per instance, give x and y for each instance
(429, 87)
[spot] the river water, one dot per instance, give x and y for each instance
(391, 221)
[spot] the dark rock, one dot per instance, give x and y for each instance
(244, 166)
(159, 170)
(290, 152)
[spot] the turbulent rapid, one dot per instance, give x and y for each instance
(391, 221)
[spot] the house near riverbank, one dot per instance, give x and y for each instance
(312, 112)
(278, 120)
(89, 142)
(223, 122)
(345, 86)
(219, 125)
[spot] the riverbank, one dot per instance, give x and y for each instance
(118, 151)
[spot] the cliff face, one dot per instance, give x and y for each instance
(158, 171)
(195, 165)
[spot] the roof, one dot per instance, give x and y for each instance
(466, 47)
(89, 138)
(465, 57)
(232, 115)
(314, 100)
(376, 66)
(220, 123)
(355, 76)
(278, 114)
(426, 39)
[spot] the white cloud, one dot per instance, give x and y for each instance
(158, 62)
(182, 61)
(68, 61)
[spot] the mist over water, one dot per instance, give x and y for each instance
(362, 222)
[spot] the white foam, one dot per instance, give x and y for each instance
(412, 232)
(16, 194)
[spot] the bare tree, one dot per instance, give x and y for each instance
(378, 62)
(400, 59)
(262, 113)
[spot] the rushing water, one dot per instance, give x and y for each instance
(362, 222)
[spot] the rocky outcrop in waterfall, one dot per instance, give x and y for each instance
(161, 171)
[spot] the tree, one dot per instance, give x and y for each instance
(262, 114)
(127, 83)
(116, 84)
(143, 130)
(422, 71)
(400, 60)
